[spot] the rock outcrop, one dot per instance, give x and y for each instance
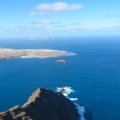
(43, 105)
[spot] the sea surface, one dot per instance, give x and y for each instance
(91, 78)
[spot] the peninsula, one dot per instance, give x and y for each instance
(6, 54)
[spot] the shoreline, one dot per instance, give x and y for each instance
(7, 53)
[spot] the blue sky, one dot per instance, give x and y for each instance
(36, 18)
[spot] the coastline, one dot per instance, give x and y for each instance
(43, 104)
(6, 53)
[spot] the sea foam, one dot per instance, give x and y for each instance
(66, 91)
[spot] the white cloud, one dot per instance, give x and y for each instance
(36, 13)
(25, 29)
(40, 38)
(32, 13)
(112, 28)
(45, 8)
(90, 29)
(113, 15)
(58, 6)
(74, 24)
(43, 22)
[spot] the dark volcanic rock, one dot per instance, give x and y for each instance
(43, 105)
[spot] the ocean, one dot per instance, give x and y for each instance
(91, 78)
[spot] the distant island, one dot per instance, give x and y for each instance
(6, 54)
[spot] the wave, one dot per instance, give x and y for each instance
(66, 91)
(81, 111)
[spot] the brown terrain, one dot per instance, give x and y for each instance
(43, 105)
(6, 54)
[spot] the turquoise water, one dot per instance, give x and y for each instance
(93, 74)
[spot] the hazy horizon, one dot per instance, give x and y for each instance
(34, 18)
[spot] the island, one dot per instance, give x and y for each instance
(6, 54)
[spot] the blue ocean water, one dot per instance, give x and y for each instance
(93, 74)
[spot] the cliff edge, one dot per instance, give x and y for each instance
(43, 105)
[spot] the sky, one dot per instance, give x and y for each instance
(41, 18)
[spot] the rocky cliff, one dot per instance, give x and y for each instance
(43, 105)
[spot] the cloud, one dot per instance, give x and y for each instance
(38, 13)
(74, 24)
(1, 27)
(90, 29)
(43, 22)
(59, 26)
(112, 28)
(113, 15)
(58, 6)
(55, 8)
(29, 28)
(25, 29)
(40, 38)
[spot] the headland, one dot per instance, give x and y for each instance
(6, 54)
